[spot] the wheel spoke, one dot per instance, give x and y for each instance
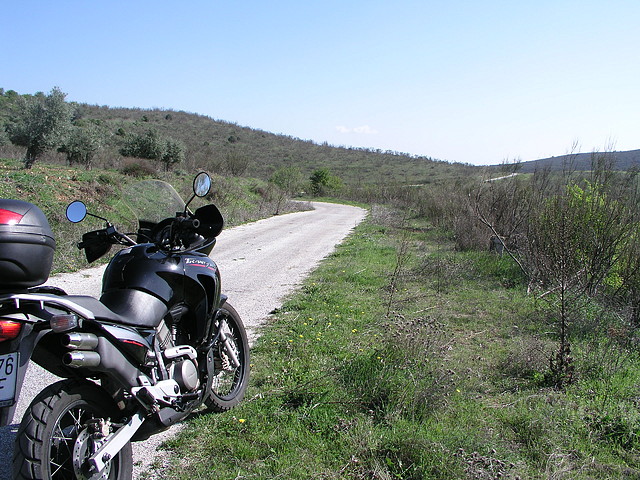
(64, 436)
(58, 468)
(76, 415)
(60, 435)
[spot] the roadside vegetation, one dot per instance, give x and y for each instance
(414, 352)
(470, 328)
(52, 187)
(401, 357)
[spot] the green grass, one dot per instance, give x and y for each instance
(398, 358)
(52, 187)
(440, 379)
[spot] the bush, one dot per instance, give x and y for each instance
(153, 146)
(404, 378)
(137, 168)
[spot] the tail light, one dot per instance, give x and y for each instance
(9, 329)
(7, 217)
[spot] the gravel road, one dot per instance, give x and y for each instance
(260, 263)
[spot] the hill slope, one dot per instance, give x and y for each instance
(228, 148)
(583, 161)
(212, 143)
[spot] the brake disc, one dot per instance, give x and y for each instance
(84, 447)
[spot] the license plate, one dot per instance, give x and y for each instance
(8, 378)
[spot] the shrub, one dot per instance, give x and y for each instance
(137, 168)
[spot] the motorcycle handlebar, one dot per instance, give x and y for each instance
(188, 223)
(96, 243)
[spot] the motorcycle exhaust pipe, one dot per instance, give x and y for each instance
(106, 358)
(79, 359)
(80, 341)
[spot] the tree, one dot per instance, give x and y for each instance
(173, 153)
(577, 244)
(153, 146)
(4, 137)
(323, 181)
(81, 144)
(150, 145)
(288, 181)
(40, 123)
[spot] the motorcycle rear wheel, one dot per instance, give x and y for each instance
(229, 384)
(50, 427)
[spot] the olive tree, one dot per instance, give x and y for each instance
(81, 144)
(40, 123)
(148, 145)
(288, 180)
(154, 146)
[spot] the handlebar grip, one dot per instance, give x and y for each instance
(190, 223)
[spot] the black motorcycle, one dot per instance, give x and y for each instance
(159, 344)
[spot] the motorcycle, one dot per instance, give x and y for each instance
(160, 343)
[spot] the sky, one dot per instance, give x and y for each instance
(479, 82)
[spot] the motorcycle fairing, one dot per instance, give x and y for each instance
(144, 267)
(138, 276)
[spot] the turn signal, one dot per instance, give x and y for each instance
(64, 323)
(9, 329)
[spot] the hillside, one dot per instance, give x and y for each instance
(228, 148)
(211, 142)
(583, 161)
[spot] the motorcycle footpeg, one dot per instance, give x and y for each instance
(163, 394)
(146, 398)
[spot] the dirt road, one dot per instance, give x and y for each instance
(260, 263)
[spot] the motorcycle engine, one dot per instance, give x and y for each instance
(180, 361)
(186, 374)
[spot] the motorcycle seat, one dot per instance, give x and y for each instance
(126, 307)
(99, 309)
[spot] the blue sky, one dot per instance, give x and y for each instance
(479, 82)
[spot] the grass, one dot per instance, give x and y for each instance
(52, 187)
(440, 378)
(398, 358)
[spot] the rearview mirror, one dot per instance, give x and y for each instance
(76, 211)
(202, 184)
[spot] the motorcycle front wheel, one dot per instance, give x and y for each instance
(229, 382)
(52, 441)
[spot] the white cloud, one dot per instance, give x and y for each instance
(364, 129)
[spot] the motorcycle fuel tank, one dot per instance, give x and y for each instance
(189, 278)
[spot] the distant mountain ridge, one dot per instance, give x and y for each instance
(625, 160)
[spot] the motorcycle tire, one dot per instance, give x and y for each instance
(50, 427)
(229, 384)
